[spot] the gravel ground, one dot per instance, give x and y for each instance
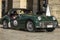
(10, 34)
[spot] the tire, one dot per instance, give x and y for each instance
(15, 23)
(30, 26)
(50, 29)
(5, 24)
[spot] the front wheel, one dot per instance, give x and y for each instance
(30, 26)
(50, 29)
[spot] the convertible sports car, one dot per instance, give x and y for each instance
(25, 19)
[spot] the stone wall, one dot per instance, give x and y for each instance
(0, 8)
(19, 3)
(55, 8)
(16, 3)
(23, 4)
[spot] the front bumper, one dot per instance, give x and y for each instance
(47, 24)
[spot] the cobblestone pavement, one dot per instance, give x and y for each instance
(9, 34)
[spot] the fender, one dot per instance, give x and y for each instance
(6, 17)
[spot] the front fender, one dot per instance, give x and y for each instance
(6, 18)
(36, 21)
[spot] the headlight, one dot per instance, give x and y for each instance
(39, 18)
(54, 18)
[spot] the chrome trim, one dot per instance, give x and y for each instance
(44, 24)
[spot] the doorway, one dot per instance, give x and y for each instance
(30, 4)
(42, 5)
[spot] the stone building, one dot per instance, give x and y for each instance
(55, 8)
(0, 8)
(5, 5)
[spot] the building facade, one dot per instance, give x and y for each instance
(5, 5)
(26, 4)
(55, 9)
(0, 8)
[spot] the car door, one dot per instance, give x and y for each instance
(13, 19)
(21, 21)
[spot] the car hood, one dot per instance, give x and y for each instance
(47, 18)
(43, 17)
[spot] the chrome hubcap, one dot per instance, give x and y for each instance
(15, 23)
(30, 26)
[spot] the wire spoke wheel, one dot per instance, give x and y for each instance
(30, 26)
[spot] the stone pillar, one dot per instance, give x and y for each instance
(0, 8)
(35, 3)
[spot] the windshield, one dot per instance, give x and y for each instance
(23, 11)
(19, 11)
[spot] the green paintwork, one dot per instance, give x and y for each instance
(23, 18)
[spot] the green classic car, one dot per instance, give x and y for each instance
(25, 19)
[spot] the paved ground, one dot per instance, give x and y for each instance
(9, 34)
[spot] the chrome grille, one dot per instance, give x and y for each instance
(44, 24)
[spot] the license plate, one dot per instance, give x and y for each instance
(49, 26)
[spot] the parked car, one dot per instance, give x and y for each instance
(22, 19)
